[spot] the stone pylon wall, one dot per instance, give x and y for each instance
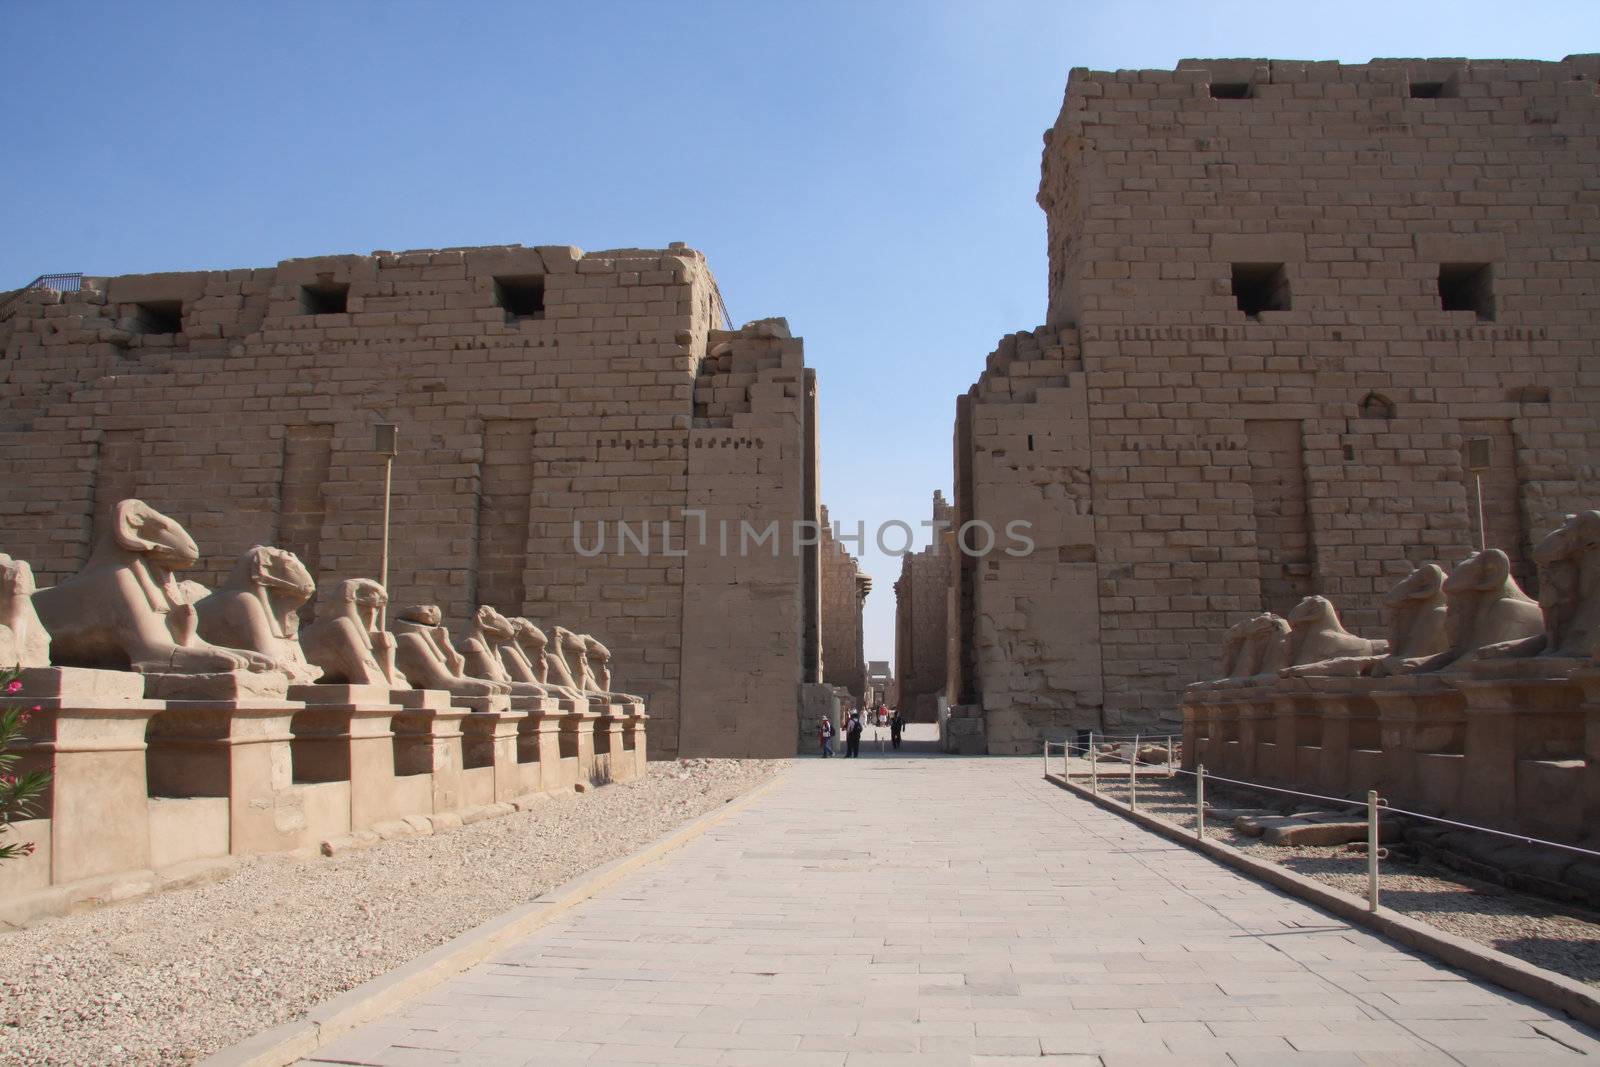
(844, 593)
(1192, 463)
(620, 400)
(921, 644)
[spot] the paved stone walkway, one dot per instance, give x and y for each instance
(916, 909)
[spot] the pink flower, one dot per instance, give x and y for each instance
(14, 686)
(28, 848)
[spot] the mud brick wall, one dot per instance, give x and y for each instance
(534, 389)
(1225, 462)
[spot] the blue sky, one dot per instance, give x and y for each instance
(866, 169)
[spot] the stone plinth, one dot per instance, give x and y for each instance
(576, 737)
(489, 755)
(427, 731)
(223, 686)
(1422, 725)
(1245, 719)
(1524, 735)
(633, 740)
(1352, 746)
(346, 734)
(89, 734)
(239, 750)
(610, 763)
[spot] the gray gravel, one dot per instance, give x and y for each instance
(174, 977)
(1558, 937)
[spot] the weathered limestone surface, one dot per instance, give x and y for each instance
(23, 639)
(1190, 462)
(534, 388)
(921, 642)
(844, 593)
(1497, 729)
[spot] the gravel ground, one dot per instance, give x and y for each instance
(174, 977)
(1558, 937)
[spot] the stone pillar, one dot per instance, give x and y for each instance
(89, 734)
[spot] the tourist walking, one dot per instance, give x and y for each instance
(853, 736)
(896, 725)
(827, 737)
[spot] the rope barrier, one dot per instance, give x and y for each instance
(1488, 830)
(1346, 802)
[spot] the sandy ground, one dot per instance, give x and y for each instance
(174, 977)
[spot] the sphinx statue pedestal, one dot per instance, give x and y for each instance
(221, 686)
(1587, 680)
(491, 772)
(239, 750)
(634, 740)
(345, 734)
(1524, 745)
(1352, 746)
(1422, 724)
(1248, 707)
(1294, 755)
(94, 818)
(428, 739)
(610, 764)
(576, 737)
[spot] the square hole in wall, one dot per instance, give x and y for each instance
(325, 298)
(1429, 90)
(1260, 287)
(521, 296)
(1467, 287)
(1230, 90)
(160, 316)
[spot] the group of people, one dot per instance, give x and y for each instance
(853, 727)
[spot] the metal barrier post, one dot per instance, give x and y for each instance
(1133, 776)
(1169, 756)
(1047, 757)
(1094, 766)
(1200, 802)
(1372, 850)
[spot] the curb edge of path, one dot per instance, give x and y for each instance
(1546, 987)
(284, 1044)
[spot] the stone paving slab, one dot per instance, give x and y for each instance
(925, 910)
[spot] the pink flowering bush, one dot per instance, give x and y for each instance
(19, 793)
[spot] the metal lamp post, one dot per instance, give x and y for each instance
(386, 442)
(1478, 462)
